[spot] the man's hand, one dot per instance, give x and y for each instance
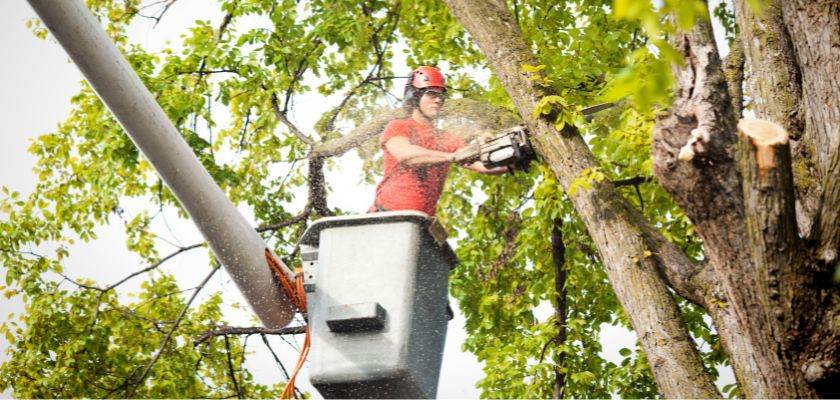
(479, 167)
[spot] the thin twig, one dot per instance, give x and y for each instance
(230, 368)
(291, 221)
(273, 354)
(281, 115)
(155, 265)
(181, 315)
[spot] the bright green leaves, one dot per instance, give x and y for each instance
(684, 13)
(37, 28)
(726, 16)
(559, 111)
(585, 180)
(505, 285)
(433, 35)
(646, 81)
(82, 343)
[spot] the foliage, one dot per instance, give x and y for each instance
(230, 90)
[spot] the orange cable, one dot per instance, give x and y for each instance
(296, 294)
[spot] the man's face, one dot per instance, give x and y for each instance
(432, 102)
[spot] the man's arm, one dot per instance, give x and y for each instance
(409, 154)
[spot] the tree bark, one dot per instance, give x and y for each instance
(632, 251)
(814, 28)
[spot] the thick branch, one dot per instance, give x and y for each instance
(355, 138)
(614, 225)
(317, 187)
(813, 29)
(770, 212)
(774, 76)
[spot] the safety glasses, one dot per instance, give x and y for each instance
(436, 94)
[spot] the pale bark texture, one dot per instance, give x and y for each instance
(765, 208)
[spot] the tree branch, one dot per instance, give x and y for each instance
(705, 181)
(136, 384)
(230, 369)
(775, 81)
(257, 330)
(379, 51)
(291, 221)
(770, 213)
(158, 16)
(281, 115)
(356, 137)
(153, 266)
(317, 187)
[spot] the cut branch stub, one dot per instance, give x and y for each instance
(771, 219)
(766, 136)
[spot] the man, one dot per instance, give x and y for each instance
(418, 155)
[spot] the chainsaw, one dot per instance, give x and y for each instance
(510, 147)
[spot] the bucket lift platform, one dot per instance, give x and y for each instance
(376, 288)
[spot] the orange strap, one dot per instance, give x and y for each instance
(294, 291)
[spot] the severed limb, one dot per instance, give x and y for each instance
(770, 214)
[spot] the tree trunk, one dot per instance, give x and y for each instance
(632, 250)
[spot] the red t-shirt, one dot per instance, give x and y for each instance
(413, 187)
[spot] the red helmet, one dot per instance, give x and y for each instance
(425, 77)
